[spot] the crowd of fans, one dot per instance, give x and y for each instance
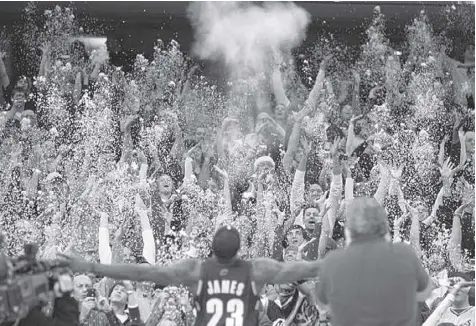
(142, 166)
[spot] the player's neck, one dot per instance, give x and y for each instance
(461, 304)
(225, 262)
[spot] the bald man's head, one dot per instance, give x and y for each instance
(366, 218)
(81, 284)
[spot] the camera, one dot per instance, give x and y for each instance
(25, 282)
(91, 293)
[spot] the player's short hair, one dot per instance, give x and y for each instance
(226, 242)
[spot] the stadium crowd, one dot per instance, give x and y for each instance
(141, 164)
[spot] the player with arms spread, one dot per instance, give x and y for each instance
(227, 288)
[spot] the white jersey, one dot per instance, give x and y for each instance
(458, 317)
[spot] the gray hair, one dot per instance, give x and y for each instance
(366, 217)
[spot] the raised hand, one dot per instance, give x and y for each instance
(119, 235)
(346, 169)
(221, 172)
(334, 150)
(63, 149)
(356, 76)
(325, 62)
(398, 222)
(127, 121)
(192, 71)
(396, 173)
(412, 210)
(324, 212)
(299, 116)
(141, 156)
(460, 210)
(322, 200)
(103, 304)
(442, 149)
(448, 170)
(191, 151)
(302, 248)
(209, 149)
(461, 285)
(165, 214)
(458, 121)
(355, 118)
(45, 48)
(281, 215)
(307, 145)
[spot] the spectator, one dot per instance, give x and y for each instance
(393, 269)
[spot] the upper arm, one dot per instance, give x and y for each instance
(267, 270)
(424, 286)
(423, 279)
(185, 272)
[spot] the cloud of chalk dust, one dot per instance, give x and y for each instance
(242, 34)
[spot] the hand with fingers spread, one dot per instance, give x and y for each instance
(303, 247)
(299, 116)
(324, 212)
(396, 173)
(103, 304)
(355, 118)
(412, 210)
(448, 170)
(45, 48)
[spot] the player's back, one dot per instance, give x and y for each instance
(226, 294)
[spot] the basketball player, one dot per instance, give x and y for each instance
(227, 288)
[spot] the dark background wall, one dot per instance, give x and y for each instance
(138, 24)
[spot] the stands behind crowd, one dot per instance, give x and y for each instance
(143, 166)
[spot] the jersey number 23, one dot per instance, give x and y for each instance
(235, 309)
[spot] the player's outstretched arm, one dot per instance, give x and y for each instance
(184, 272)
(266, 270)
